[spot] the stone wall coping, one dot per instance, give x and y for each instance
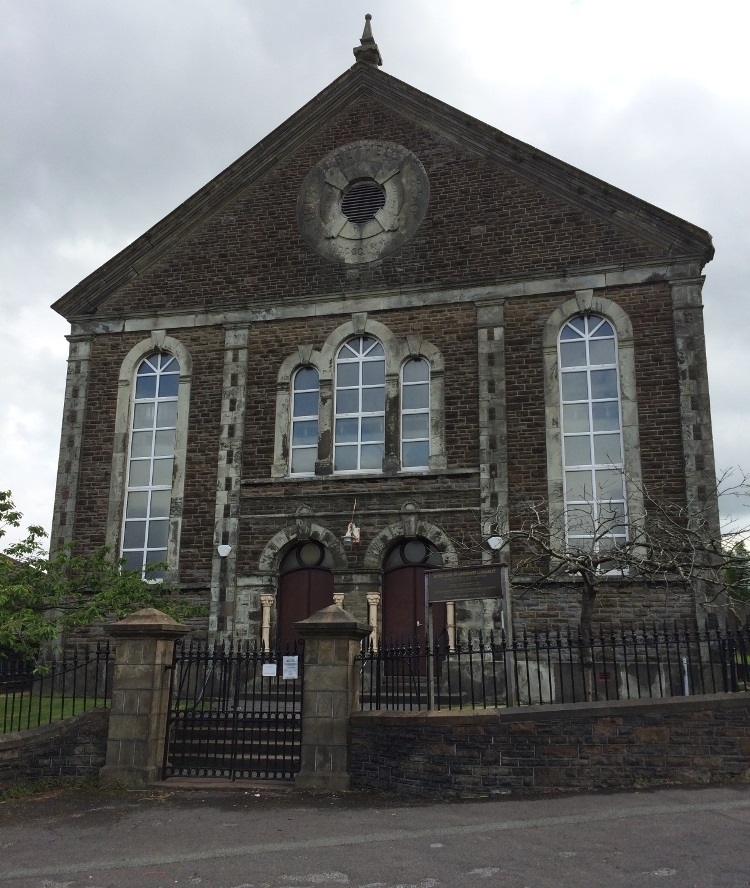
(42, 732)
(332, 620)
(148, 622)
(604, 708)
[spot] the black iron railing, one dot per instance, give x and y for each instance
(560, 665)
(235, 712)
(54, 687)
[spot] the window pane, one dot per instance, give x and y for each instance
(578, 451)
(168, 385)
(416, 370)
(133, 560)
(373, 400)
(135, 535)
(345, 459)
(416, 397)
(371, 347)
(305, 404)
(579, 486)
(602, 351)
(137, 504)
(347, 401)
(575, 387)
(576, 418)
(347, 430)
(372, 456)
(347, 374)
(143, 416)
(573, 329)
(145, 387)
(581, 519)
(305, 433)
(303, 461)
(141, 443)
(157, 534)
(373, 428)
(162, 472)
(609, 484)
(373, 373)
(155, 556)
(606, 416)
(415, 425)
(160, 503)
(306, 378)
(612, 518)
(416, 454)
(140, 473)
(607, 449)
(166, 415)
(603, 384)
(600, 328)
(164, 443)
(573, 354)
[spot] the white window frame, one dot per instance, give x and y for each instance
(606, 514)
(361, 359)
(312, 417)
(415, 411)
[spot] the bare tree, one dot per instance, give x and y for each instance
(673, 545)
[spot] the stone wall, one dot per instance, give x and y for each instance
(473, 754)
(73, 747)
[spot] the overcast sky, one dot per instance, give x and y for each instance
(115, 111)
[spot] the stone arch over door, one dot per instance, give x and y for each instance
(301, 588)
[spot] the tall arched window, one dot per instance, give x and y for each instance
(150, 464)
(359, 435)
(304, 438)
(593, 467)
(415, 414)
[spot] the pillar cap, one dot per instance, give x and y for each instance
(332, 620)
(148, 622)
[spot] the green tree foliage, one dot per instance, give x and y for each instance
(43, 596)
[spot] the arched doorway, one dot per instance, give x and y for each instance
(403, 592)
(305, 586)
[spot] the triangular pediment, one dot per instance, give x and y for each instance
(663, 233)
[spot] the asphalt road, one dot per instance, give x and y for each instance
(261, 837)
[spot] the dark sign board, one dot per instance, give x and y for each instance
(464, 583)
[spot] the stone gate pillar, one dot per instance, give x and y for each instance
(332, 639)
(140, 697)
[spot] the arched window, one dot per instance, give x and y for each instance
(359, 412)
(304, 437)
(151, 455)
(591, 423)
(415, 414)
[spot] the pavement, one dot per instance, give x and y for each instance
(272, 836)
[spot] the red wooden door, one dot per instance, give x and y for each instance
(403, 607)
(301, 593)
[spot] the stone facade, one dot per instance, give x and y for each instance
(503, 237)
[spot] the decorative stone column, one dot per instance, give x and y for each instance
(140, 697)
(373, 603)
(332, 639)
(266, 604)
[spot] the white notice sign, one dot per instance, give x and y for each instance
(290, 667)
(269, 670)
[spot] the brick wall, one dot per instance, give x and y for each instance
(542, 748)
(74, 747)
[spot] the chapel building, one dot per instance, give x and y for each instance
(339, 363)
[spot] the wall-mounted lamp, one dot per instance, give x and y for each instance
(223, 550)
(493, 544)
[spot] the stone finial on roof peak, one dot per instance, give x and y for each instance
(368, 50)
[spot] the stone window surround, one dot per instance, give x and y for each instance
(397, 352)
(158, 342)
(585, 302)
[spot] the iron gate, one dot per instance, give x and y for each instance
(234, 713)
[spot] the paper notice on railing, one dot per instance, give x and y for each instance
(290, 667)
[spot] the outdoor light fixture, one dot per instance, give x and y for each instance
(223, 550)
(352, 531)
(493, 544)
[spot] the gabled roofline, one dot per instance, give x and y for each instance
(676, 236)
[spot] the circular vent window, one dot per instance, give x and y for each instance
(362, 201)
